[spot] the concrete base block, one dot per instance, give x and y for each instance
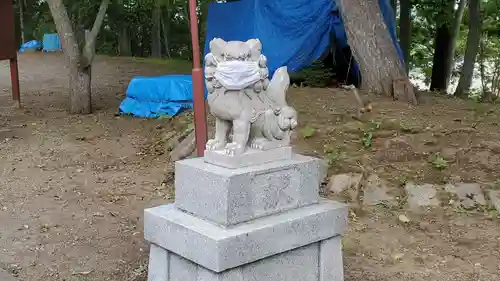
(231, 196)
(219, 249)
(319, 261)
(251, 157)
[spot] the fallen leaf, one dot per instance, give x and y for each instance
(398, 256)
(83, 272)
(403, 219)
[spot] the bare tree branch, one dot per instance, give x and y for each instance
(65, 30)
(89, 49)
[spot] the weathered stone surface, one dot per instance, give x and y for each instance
(331, 266)
(230, 196)
(468, 194)
(219, 249)
(6, 276)
(320, 261)
(494, 196)
(424, 195)
(298, 264)
(251, 157)
(343, 182)
(244, 101)
(376, 191)
(159, 263)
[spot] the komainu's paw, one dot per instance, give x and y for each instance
(259, 143)
(233, 149)
(215, 144)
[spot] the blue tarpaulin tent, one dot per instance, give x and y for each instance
(294, 33)
(152, 97)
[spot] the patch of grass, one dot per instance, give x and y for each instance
(307, 132)
(175, 65)
(402, 180)
(494, 214)
(317, 75)
(401, 201)
(333, 155)
(496, 184)
(367, 137)
(438, 162)
(406, 127)
(164, 117)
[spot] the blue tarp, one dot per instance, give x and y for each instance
(294, 33)
(51, 43)
(33, 44)
(152, 97)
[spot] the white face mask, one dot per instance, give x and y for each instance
(237, 75)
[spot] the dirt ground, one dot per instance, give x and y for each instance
(73, 188)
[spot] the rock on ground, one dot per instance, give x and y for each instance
(494, 196)
(6, 276)
(424, 195)
(344, 185)
(468, 194)
(376, 191)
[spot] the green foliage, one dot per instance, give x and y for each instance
(307, 132)
(438, 162)
(333, 154)
(134, 17)
(367, 137)
(314, 76)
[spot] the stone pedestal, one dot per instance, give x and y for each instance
(244, 222)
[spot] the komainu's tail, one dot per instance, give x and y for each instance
(278, 86)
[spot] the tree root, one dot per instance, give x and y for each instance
(185, 148)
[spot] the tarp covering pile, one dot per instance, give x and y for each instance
(32, 45)
(152, 97)
(51, 43)
(294, 33)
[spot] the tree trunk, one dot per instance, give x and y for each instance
(79, 61)
(124, 47)
(21, 21)
(166, 31)
(373, 47)
(453, 40)
(482, 70)
(473, 40)
(440, 61)
(439, 78)
(80, 90)
(405, 31)
(156, 32)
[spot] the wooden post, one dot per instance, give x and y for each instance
(14, 78)
(200, 115)
(8, 46)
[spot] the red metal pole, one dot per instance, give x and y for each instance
(14, 78)
(200, 114)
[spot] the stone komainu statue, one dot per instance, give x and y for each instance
(243, 99)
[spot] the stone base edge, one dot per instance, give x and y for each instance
(319, 261)
(219, 249)
(252, 157)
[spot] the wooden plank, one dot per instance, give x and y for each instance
(8, 48)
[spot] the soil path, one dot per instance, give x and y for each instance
(73, 188)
